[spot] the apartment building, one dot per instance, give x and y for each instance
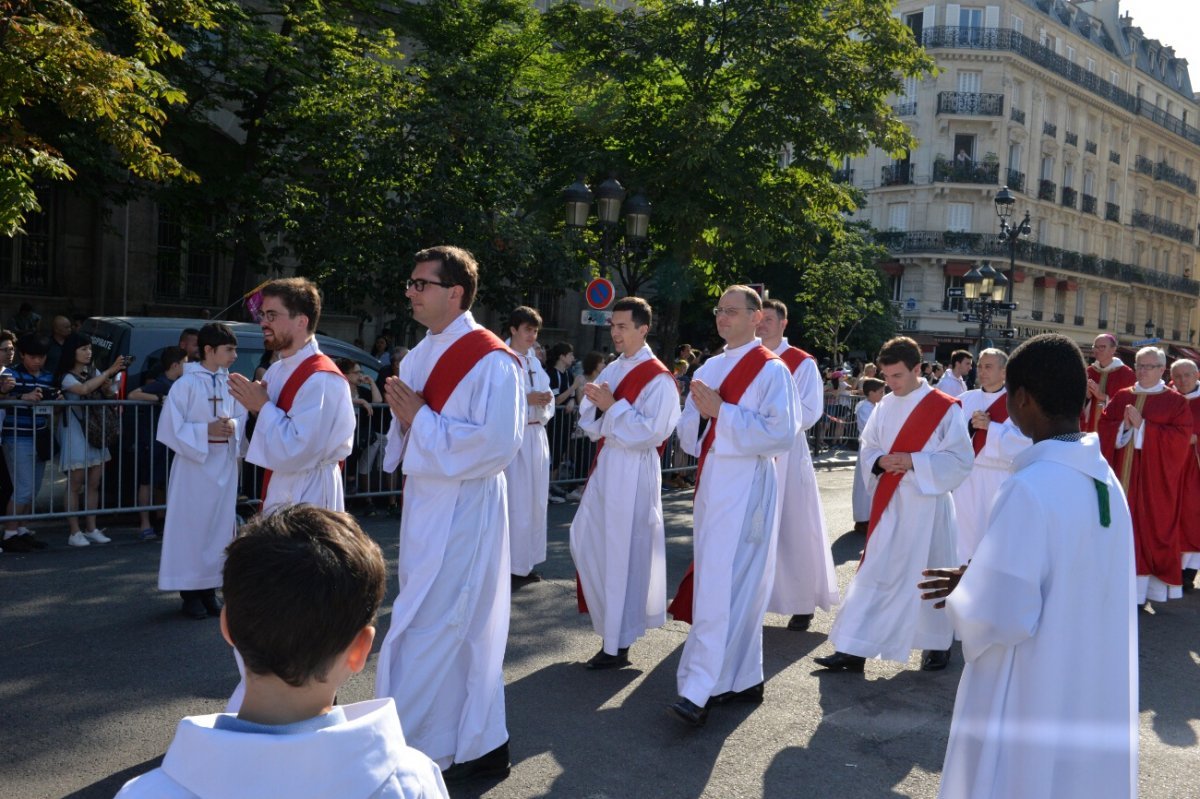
(1093, 128)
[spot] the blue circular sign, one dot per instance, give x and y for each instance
(599, 293)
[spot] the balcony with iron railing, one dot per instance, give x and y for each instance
(1071, 138)
(1058, 317)
(971, 103)
(905, 109)
(1017, 115)
(1112, 212)
(897, 175)
(1069, 197)
(1079, 321)
(1016, 180)
(1050, 129)
(990, 245)
(1143, 165)
(1036, 315)
(1159, 332)
(1090, 146)
(1047, 189)
(1163, 227)
(1088, 205)
(1166, 172)
(945, 171)
(1102, 324)
(1114, 156)
(843, 175)
(1129, 328)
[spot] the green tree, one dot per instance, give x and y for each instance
(81, 82)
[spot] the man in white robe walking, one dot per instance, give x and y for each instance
(954, 381)
(1047, 706)
(617, 536)
(740, 414)
(459, 407)
(804, 575)
(919, 452)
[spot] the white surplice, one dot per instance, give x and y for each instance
(804, 575)
(952, 384)
(735, 525)
(202, 489)
(881, 615)
(443, 657)
(364, 757)
(1048, 701)
(617, 534)
(304, 446)
(860, 496)
(528, 477)
(974, 497)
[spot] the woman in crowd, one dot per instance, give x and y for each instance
(26, 436)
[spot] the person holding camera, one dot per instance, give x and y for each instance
(26, 437)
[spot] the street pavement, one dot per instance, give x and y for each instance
(96, 668)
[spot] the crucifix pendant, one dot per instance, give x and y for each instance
(215, 400)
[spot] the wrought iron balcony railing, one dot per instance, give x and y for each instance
(1112, 212)
(974, 103)
(1016, 180)
(1088, 204)
(1071, 138)
(1143, 164)
(965, 172)
(1050, 129)
(1164, 171)
(1069, 196)
(1017, 115)
(897, 175)
(1090, 146)
(1114, 156)
(1047, 190)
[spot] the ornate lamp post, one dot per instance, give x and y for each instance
(1011, 234)
(612, 254)
(1148, 328)
(984, 290)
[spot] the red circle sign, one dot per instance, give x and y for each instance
(599, 293)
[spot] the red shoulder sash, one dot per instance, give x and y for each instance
(997, 412)
(793, 357)
(459, 359)
(317, 362)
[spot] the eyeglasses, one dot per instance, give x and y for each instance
(719, 311)
(271, 316)
(419, 284)
(1148, 366)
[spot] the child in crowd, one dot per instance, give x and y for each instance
(151, 455)
(303, 586)
(203, 425)
(872, 389)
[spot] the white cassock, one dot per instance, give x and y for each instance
(974, 497)
(881, 615)
(363, 756)
(203, 487)
(528, 477)
(303, 447)
(736, 525)
(617, 534)
(860, 496)
(804, 575)
(952, 384)
(1048, 701)
(443, 657)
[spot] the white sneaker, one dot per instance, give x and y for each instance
(554, 500)
(575, 495)
(78, 540)
(97, 537)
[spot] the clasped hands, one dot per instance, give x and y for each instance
(403, 400)
(898, 462)
(1133, 417)
(706, 399)
(600, 395)
(252, 394)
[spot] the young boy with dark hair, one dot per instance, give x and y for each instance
(151, 455)
(303, 586)
(203, 425)
(1027, 607)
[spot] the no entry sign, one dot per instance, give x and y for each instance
(599, 293)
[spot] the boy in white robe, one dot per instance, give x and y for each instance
(617, 535)
(1047, 706)
(302, 588)
(203, 425)
(860, 497)
(528, 475)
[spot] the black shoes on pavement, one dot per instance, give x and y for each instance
(935, 659)
(689, 712)
(840, 661)
(493, 764)
(603, 660)
(800, 622)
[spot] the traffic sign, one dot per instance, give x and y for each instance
(956, 291)
(599, 293)
(969, 317)
(1146, 342)
(1006, 306)
(596, 318)
(1000, 332)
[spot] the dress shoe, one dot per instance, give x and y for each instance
(212, 605)
(519, 580)
(603, 660)
(193, 606)
(1189, 580)
(935, 659)
(800, 622)
(840, 661)
(689, 712)
(752, 696)
(493, 764)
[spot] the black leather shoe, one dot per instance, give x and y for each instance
(1189, 580)
(493, 764)
(193, 607)
(840, 661)
(603, 660)
(212, 605)
(689, 712)
(935, 659)
(800, 622)
(752, 695)
(519, 580)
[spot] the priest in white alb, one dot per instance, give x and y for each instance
(995, 440)
(459, 408)
(804, 575)
(1047, 706)
(917, 446)
(740, 414)
(617, 535)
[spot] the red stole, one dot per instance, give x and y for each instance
(793, 357)
(1187, 519)
(629, 389)
(997, 412)
(732, 388)
(317, 362)
(459, 359)
(913, 437)
(1110, 382)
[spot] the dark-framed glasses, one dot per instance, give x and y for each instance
(419, 284)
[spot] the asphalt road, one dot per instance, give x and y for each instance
(96, 668)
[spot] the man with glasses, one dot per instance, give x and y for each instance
(1106, 376)
(1144, 433)
(741, 412)
(459, 415)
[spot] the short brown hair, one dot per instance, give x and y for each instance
(777, 306)
(753, 299)
(958, 356)
(900, 349)
(299, 585)
(638, 309)
(299, 295)
(524, 315)
(869, 385)
(456, 267)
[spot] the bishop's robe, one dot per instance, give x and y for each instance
(617, 535)
(1048, 700)
(528, 477)
(443, 657)
(1150, 463)
(881, 616)
(304, 446)
(995, 447)
(1187, 520)
(1111, 378)
(203, 486)
(804, 575)
(736, 524)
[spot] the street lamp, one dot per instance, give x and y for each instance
(984, 290)
(1011, 234)
(1148, 328)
